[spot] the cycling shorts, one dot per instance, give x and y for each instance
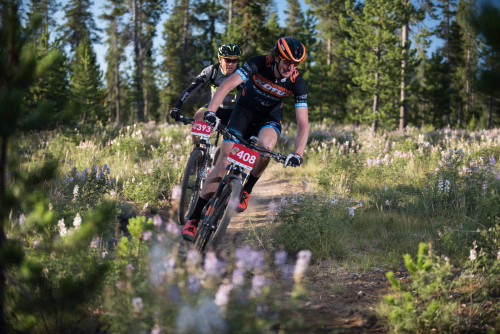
(249, 123)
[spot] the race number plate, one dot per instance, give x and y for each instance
(243, 156)
(201, 129)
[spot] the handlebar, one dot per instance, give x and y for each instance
(186, 120)
(229, 134)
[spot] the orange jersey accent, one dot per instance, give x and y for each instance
(269, 87)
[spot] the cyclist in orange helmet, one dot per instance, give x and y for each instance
(258, 112)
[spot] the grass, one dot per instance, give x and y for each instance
(369, 199)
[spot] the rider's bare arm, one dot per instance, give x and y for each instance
(302, 130)
(229, 84)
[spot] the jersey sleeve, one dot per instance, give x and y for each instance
(300, 92)
(198, 82)
(249, 68)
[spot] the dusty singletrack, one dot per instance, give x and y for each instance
(338, 301)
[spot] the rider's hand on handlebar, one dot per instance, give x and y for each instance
(210, 118)
(293, 159)
(175, 114)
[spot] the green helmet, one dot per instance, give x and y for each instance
(229, 50)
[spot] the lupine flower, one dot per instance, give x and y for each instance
(193, 257)
(62, 228)
(447, 186)
(172, 228)
(211, 264)
(258, 282)
(176, 192)
(440, 184)
(498, 256)
(22, 219)
(75, 192)
(77, 221)
(301, 265)
(238, 277)
(280, 257)
(193, 284)
(473, 255)
(137, 304)
(351, 212)
(95, 242)
(156, 330)
(157, 221)
(485, 188)
(207, 315)
(120, 284)
(222, 295)
(147, 235)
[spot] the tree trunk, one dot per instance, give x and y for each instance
(490, 112)
(117, 93)
(185, 36)
(3, 214)
(138, 90)
(403, 109)
(376, 95)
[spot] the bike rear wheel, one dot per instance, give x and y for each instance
(191, 185)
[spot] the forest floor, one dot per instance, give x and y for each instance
(337, 300)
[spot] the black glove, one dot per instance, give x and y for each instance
(210, 118)
(175, 113)
(293, 159)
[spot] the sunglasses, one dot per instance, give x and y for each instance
(231, 61)
(289, 63)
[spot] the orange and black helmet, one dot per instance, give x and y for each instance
(290, 49)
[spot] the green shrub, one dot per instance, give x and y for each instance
(423, 305)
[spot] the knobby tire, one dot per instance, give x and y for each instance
(226, 209)
(190, 186)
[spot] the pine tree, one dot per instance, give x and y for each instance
(79, 24)
(447, 8)
(485, 23)
(248, 27)
(328, 78)
(145, 16)
(209, 14)
(114, 56)
(375, 60)
(86, 85)
(51, 92)
(177, 68)
(43, 10)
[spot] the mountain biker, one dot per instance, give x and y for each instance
(268, 81)
(213, 75)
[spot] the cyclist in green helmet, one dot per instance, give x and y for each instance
(214, 75)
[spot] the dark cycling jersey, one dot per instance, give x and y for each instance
(204, 78)
(264, 92)
(261, 101)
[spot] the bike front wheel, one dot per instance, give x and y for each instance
(230, 196)
(191, 185)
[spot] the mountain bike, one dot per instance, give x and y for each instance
(218, 213)
(200, 162)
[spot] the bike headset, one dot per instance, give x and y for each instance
(291, 49)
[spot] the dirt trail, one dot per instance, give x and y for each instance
(338, 301)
